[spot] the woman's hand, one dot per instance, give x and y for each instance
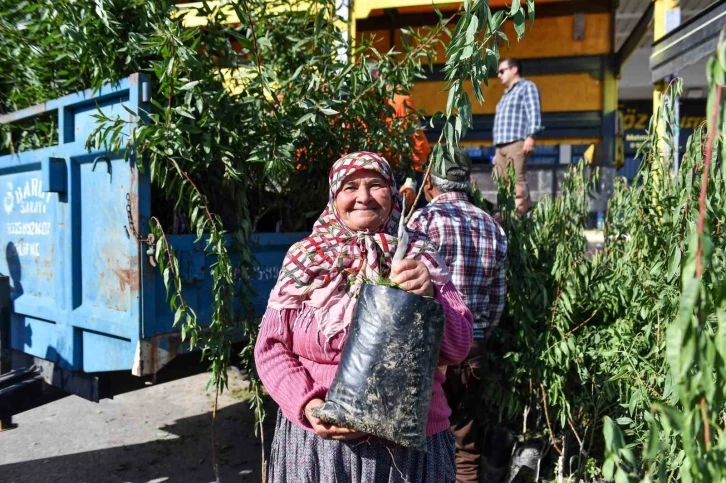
(327, 430)
(413, 276)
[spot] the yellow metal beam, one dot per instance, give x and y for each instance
(363, 8)
(237, 80)
(660, 15)
(190, 12)
(191, 17)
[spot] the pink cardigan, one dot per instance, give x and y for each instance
(295, 369)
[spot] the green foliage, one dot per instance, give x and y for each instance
(685, 438)
(621, 350)
(49, 49)
(471, 55)
(246, 120)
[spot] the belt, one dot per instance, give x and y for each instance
(501, 145)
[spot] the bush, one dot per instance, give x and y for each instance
(627, 339)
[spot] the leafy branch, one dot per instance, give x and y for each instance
(472, 55)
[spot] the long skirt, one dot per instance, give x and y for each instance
(300, 456)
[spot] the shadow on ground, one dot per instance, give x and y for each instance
(182, 453)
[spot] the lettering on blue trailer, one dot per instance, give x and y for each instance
(32, 228)
(24, 201)
(27, 199)
(23, 249)
(267, 272)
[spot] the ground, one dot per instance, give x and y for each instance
(161, 433)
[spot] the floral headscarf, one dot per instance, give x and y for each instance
(324, 272)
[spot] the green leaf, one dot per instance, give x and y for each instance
(633, 402)
(621, 476)
(451, 99)
(467, 52)
(652, 447)
(530, 10)
(721, 55)
(246, 43)
(184, 112)
(189, 85)
(680, 346)
(515, 8)
(437, 159)
(608, 469)
(672, 417)
(613, 436)
(484, 12)
(305, 118)
(328, 112)
(450, 133)
(519, 23)
(496, 20)
(674, 267)
(720, 338)
(472, 29)
(264, 43)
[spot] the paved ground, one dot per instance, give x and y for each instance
(158, 434)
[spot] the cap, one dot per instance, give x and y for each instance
(457, 169)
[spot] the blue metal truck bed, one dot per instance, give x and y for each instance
(84, 295)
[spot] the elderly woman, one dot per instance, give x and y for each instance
(306, 324)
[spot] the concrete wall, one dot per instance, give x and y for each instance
(542, 180)
(547, 180)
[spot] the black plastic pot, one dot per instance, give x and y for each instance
(384, 382)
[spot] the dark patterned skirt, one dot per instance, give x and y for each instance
(299, 456)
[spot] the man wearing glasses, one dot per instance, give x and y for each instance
(516, 123)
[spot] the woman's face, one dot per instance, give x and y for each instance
(364, 201)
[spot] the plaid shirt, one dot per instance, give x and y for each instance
(518, 113)
(474, 248)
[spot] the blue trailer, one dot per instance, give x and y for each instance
(85, 298)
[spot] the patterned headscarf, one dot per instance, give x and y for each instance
(325, 271)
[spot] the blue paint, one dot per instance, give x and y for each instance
(83, 290)
(268, 250)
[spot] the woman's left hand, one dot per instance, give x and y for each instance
(327, 430)
(413, 276)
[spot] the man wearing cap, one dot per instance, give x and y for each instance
(516, 123)
(474, 248)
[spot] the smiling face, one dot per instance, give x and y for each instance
(364, 201)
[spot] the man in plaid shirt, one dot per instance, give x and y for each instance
(516, 123)
(474, 248)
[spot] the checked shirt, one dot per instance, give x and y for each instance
(474, 248)
(518, 113)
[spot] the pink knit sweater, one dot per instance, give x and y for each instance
(295, 369)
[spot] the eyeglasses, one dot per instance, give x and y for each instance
(501, 71)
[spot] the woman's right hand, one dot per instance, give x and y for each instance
(327, 430)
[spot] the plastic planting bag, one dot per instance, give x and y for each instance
(384, 381)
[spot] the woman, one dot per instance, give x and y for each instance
(306, 323)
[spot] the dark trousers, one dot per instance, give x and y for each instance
(462, 389)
